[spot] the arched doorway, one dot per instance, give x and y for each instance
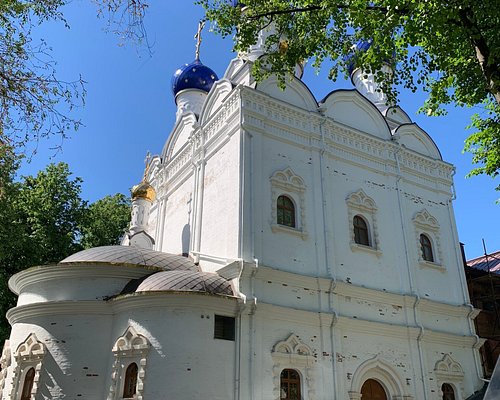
(372, 390)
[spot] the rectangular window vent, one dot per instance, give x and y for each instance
(224, 327)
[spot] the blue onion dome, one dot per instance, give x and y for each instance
(237, 3)
(360, 47)
(193, 76)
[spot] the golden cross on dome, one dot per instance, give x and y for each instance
(147, 163)
(201, 24)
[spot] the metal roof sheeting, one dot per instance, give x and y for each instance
(186, 281)
(490, 262)
(131, 255)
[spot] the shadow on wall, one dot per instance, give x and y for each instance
(186, 239)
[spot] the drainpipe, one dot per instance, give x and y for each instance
(328, 257)
(253, 307)
(410, 275)
(477, 361)
(242, 305)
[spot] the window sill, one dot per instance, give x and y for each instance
(431, 264)
(286, 229)
(368, 249)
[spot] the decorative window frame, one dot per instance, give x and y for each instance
(5, 362)
(130, 347)
(449, 371)
(287, 183)
(428, 225)
(292, 353)
(359, 203)
(29, 354)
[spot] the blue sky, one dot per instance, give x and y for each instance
(130, 108)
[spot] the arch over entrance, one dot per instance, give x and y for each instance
(383, 374)
(373, 390)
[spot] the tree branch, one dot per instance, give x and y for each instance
(401, 11)
(483, 54)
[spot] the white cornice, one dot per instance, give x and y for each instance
(344, 289)
(44, 273)
(27, 312)
(287, 122)
(166, 300)
(292, 279)
(359, 325)
(451, 310)
(178, 300)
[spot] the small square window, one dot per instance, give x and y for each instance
(224, 327)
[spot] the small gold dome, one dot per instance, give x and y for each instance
(143, 191)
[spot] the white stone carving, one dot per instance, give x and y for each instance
(130, 347)
(292, 353)
(425, 220)
(449, 371)
(359, 203)
(428, 225)
(5, 361)
(29, 355)
(287, 183)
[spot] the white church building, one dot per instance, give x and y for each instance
(280, 248)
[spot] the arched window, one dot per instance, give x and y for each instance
(285, 211)
(289, 385)
(426, 247)
(29, 379)
(373, 390)
(448, 392)
(361, 235)
(130, 385)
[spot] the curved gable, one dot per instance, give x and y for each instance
(295, 93)
(215, 98)
(352, 109)
(397, 114)
(415, 138)
(183, 128)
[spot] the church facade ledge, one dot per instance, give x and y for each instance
(434, 265)
(344, 289)
(175, 299)
(360, 325)
(366, 249)
(44, 273)
(291, 231)
(283, 122)
(24, 313)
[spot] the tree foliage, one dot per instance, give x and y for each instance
(105, 221)
(449, 49)
(34, 102)
(43, 219)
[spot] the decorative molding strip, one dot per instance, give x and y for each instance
(44, 273)
(27, 312)
(300, 126)
(5, 362)
(175, 299)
